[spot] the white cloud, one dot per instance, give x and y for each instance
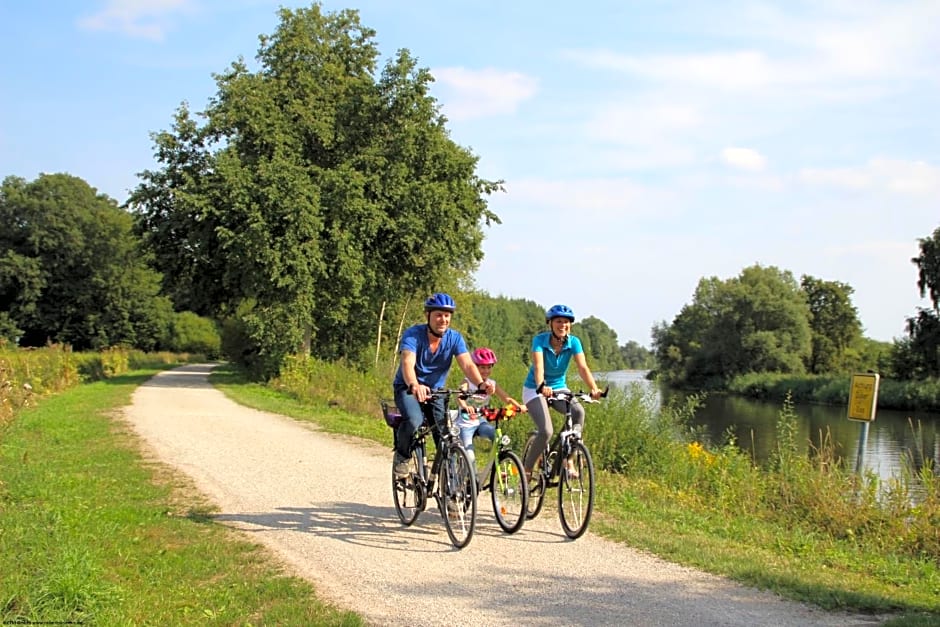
(626, 123)
(147, 19)
(730, 70)
(587, 197)
(744, 159)
(471, 94)
(893, 175)
(841, 42)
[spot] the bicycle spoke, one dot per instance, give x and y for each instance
(576, 491)
(408, 498)
(458, 496)
(536, 484)
(509, 492)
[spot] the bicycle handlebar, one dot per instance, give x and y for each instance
(443, 392)
(582, 396)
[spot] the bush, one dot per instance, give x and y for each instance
(190, 333)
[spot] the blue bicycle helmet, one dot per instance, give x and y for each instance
(559, 311)
(439, 301)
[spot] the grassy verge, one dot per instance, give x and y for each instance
(92, 533)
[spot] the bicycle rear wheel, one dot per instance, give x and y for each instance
(536, 484)
(410, 495)
(509, 491)
(458, 495)
(576, 491)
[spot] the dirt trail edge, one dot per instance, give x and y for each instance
(323, 504)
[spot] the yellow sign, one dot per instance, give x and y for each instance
(863, 397)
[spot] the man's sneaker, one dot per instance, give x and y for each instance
(401, 466)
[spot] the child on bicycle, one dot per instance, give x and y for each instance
(552, 353)
(469, 418)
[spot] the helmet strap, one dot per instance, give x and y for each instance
(431, 329)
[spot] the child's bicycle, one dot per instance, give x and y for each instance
(449, 477)
(566, 464)
(504, 475)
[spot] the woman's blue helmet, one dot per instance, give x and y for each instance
(440, 301)
(559, 311)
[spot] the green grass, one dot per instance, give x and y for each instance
(92, 533)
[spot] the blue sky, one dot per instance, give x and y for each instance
(644, 145)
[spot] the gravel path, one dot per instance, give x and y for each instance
(276, 479)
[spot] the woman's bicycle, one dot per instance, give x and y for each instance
(449, 477)
(504, 475)
(566, 464)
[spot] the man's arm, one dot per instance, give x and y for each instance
(470, 369)
(408, 360)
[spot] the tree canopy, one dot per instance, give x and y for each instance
(918, 355)
(834, 324)
(755, 322)
(314, 192)
(928, 268)
(71, 270)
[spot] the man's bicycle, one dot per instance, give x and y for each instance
(504, 475)
(566, 464)
(449, 477)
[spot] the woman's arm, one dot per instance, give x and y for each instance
(538, 372)
(586, 375)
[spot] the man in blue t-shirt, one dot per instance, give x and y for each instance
(427, 351)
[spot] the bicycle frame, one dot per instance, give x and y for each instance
(500, 442)
(576, 484)
(454, 499)
(504, 475)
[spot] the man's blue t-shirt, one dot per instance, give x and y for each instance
(431, 368)
(556, 366)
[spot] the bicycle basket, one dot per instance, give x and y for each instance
(391, 414)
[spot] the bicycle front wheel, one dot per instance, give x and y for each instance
(536, 485)
(458, 495)
(509, 491)
(576, 491)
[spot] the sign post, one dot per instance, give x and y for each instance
(863, 402)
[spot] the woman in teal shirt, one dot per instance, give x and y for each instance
(552, 353)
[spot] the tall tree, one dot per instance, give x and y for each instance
(918, 356)
(314, 192)
(600, 344)
(833, 322)
(928, 268)
(71, 270)
(636, 357)
(756, 322)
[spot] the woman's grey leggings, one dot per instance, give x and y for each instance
(538, 410)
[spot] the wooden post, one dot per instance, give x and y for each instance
(378, 336)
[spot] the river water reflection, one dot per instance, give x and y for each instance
(893, 437)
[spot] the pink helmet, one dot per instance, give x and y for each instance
(483, 357)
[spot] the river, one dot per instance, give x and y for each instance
(893, 437)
